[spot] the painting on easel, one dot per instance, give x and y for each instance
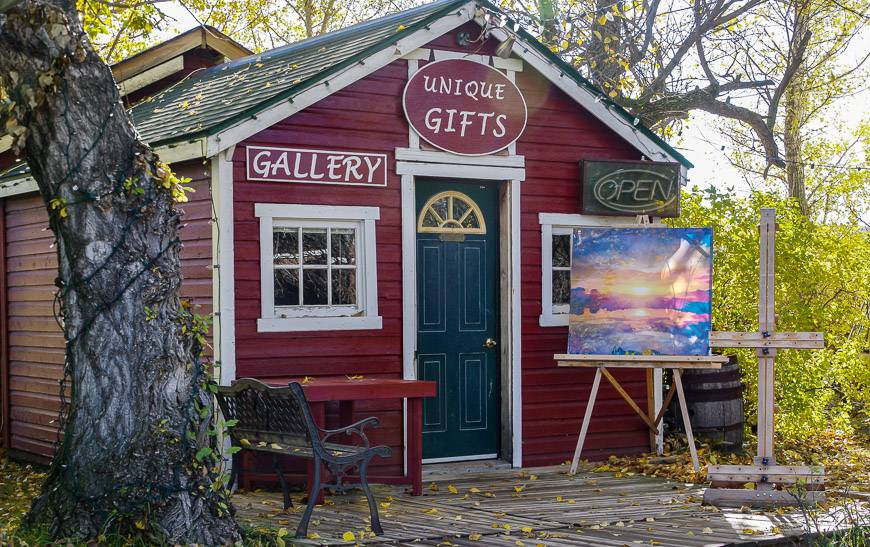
(641, 291)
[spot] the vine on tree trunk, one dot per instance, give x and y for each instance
(140, 453)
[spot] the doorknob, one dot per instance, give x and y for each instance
(490, 343)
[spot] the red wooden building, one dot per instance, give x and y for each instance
(339, 230)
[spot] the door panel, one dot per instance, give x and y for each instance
(457, 312)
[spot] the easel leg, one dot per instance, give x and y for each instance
(688, 424)
(586, 418)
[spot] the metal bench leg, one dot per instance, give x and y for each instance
(288, 503)
(373, 506)
(313, 492)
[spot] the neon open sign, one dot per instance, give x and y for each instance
(464, 107)
(631, 188)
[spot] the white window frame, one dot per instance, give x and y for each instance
(322, 318)
(564, 223)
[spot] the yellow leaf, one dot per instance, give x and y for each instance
(401, 28)
(707, 531)
(313, 535)
(276, 446)
(348, 536)
(385, 505)
(282, 532)
(571, 502)
(613, 93)
(519, 489)
(527, 530)
(431, 511)
(280, 542)
(533, 477)
(433, 487)
(559, 498)
(140, 525)
(474, 490)
(602, 20)
(475, 537)
(518, 542)
(306, 379)
(749, 485)
(654, 542)
(564, 44)
(452, 489)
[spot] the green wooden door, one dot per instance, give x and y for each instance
(457, 317)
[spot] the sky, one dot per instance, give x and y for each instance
(700, 142)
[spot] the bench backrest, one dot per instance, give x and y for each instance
(266, 413)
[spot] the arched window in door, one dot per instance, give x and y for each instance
(451, 213)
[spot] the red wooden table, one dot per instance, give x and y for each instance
(323, 389)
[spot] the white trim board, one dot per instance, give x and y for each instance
(586, 99)
(439, 156)
(153, 74)
(460, 171)
(335, 82)
(223, 257)
(409, 291)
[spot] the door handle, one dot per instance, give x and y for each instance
(490, 343)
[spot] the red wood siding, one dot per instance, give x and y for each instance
(559, 134)
(36, 344)
(365, 116)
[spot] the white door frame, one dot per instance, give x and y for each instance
(463, 167)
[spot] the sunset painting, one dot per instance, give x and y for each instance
(643, 291)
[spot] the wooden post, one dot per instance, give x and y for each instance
(766, 324)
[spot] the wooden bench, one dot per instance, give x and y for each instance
(278, 420)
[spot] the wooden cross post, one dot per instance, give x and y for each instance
(766, 475)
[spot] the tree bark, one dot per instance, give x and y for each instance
(795, 114)
(137, 455)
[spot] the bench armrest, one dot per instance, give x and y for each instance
(355, 428)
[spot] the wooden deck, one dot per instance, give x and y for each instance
(533, 507)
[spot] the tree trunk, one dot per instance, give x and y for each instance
(138, 455)
(795, 103)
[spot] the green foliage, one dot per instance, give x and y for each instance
(822, 284)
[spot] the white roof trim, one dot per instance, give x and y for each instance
(585, 98)
(335, 82)
(153, 74)
(14, 187)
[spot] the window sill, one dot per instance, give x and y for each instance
(553, 320)
(299, 324)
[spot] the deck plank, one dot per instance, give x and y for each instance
(504, 507)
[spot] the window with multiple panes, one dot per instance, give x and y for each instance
(315, 266)
(560, 267)
(318, 267)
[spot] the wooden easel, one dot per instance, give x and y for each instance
(765, 473)
(674, 362)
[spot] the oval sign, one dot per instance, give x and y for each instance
(464, 107)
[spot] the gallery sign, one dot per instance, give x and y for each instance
(269, 163)
(628, 188)
(464, 107)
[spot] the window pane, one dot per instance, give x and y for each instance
(285, 244)
(343, 246)
(561, 286)
(561, 251)
(314, 289)
(314, 245)
(471, 221)
(459, 208)
(286, 287)
(343, 287)
(440, 207)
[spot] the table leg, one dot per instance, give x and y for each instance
(345, 413)
(686, 421)
(415, 445)
(318, 412)
(588, 416)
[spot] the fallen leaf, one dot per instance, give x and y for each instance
(348, 536)
(452, 489)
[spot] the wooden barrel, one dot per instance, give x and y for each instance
(715, 402)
